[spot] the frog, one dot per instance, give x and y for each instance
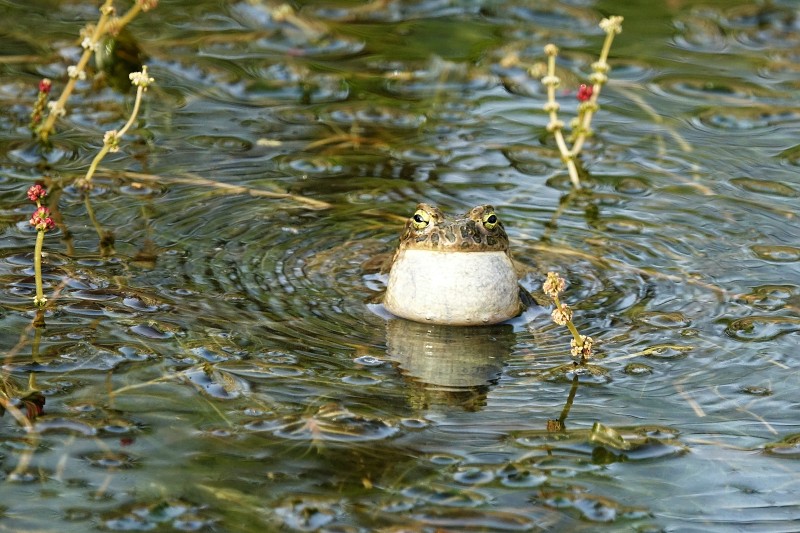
(454, 270)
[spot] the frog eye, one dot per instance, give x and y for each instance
(490, 220)
(421, 219)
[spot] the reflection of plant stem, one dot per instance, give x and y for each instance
(555, 126)
(90, 211)
(563, 203)
(570, 399)
(37, 339)
(33, 440)
(598, 78)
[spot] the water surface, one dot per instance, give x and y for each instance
(221, 367)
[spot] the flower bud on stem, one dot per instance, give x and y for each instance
(111, 139)
(42, 221)
(93, 35)
(562, 315)
(587, 95)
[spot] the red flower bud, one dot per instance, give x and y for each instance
(45, 85)
(585, 92)
(41, 219)
(36, 193)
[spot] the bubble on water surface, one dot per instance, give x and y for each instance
(589, 507)
(667, 351)
(444, 519)
(604, 444)
(215, 382)
(368, 360)
(223, 143)
(520, 477)
(473, 476)
(671, 320)
(65, 425)
(313, 166)
(152, 331)
(567, 373)
(75, 356)
(755, 390)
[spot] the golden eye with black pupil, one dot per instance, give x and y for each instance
(421, 219)
(489, 221)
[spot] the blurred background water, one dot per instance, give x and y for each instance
(221, 368)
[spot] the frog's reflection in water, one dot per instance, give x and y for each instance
(448, 366)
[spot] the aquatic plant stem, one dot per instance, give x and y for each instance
(599, 77)
(39, 300)
(556, 126)
(569, 324)
(60, 106)
(285, 12)
(123, 21)
(112, 138)
(559, 423)
(588, 96)
(43, 222)
(106, 24)
(581, 345)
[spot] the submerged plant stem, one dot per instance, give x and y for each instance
(228, 188)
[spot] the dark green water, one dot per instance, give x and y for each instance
(221, 371)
